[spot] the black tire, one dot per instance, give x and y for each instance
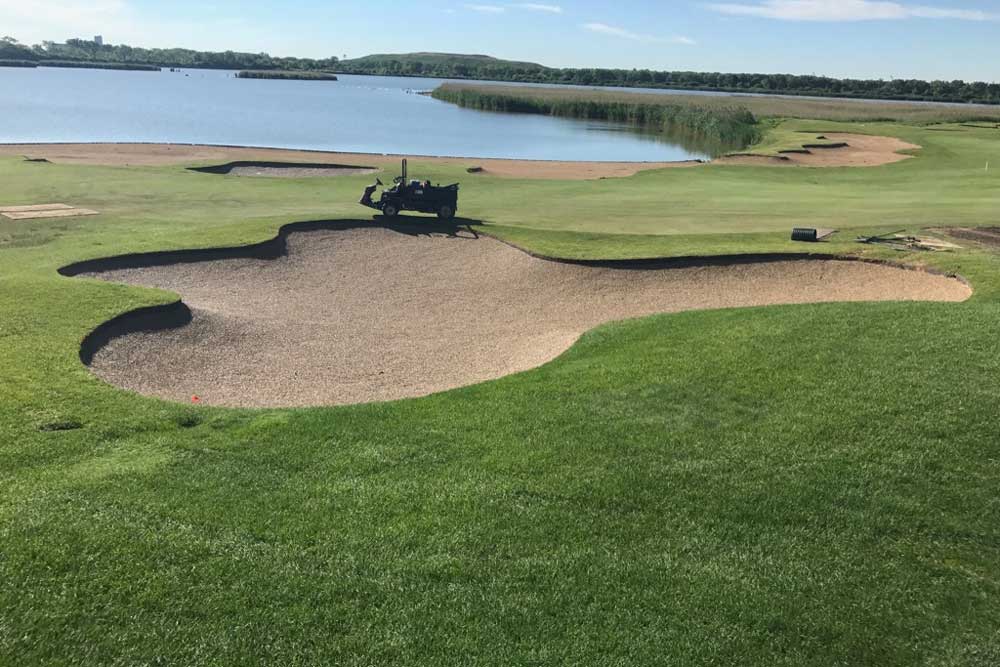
(446, 212)
(390, 211)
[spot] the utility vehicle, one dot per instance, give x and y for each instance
(418, 196)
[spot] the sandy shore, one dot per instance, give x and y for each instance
(373, 314)
(180, 154)
(861, 151)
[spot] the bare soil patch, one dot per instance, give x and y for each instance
(374, 314)
(987, 236)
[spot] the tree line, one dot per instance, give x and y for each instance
(783, 84)
(86, 51)
(78, 50)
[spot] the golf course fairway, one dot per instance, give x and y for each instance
(810, 484)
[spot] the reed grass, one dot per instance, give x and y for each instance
(286, 75)
(75, 64)
(759, 106)
(728, 127)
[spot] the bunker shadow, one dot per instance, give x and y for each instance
(334, 169)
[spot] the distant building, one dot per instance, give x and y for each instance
(99, 40)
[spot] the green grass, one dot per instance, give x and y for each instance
(807, 485)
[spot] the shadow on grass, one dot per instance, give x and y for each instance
(333, 169)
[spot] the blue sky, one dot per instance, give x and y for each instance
(862, 38)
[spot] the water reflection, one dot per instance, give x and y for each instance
(698, 145)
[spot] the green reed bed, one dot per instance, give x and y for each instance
(285, 75)
(73, 64)
(759, 106)
(728, 128)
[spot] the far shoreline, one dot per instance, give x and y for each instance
(653, 90)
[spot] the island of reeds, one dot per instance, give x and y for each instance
(286, 75)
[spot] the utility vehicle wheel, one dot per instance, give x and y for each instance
(446, 212)
(390, 211)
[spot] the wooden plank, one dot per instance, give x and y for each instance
(34, 207)
(59, 213)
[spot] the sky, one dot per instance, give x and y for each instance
(927, 39)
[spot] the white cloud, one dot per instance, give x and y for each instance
(486, 9)
(846, 10)
(35, 21)
(533, 7)
(528, 6)
(605, 29)
(615, 31)
(60, 19)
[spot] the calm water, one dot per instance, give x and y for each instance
(357, 113)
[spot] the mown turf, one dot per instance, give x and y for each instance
(809, 485)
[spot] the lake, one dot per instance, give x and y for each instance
(362, 114)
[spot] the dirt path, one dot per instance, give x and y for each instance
(371, 314)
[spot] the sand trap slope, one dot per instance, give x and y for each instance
(862, 150)
(372, 314)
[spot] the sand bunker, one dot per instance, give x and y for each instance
(861, 150)
(373, 314)
(285, 169)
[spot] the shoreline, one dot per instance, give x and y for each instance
(148, 154)
(321, 151)
(673, 89)
(850, 150)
